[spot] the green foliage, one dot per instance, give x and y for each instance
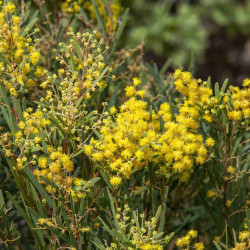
(184, 155)
(180, 29)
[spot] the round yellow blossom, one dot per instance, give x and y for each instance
(42, 162)
(244, 235)
(192, 233)
(231, 169)
(35, 56)
(211, 193)
(37, 139)
(84, 229)
(10, 7)
(136, 81)
(115, 181)
(229, 203)
(55, 167)
(210, 142)
(42, 221)
(130, 91)
(234, 115)
(18, 135)
(112, 110)
(67, 163)
(182, 242)
(199, 246)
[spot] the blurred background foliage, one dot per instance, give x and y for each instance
(213, 33)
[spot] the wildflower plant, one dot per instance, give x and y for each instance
(19, 52)
(106, 152)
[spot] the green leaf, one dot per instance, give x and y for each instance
(35, 217)
(25, 216)
(98, 17)
(224, 86)
(42, 135)
(165, 66)
(248, 218)
(18, 109)
(1, 198)
(78, 49)
(55, 122)
(94, 180)
(217, 91)
(157, 215)
(236, 145)
(18, 182)
(209, 82)
(225, 247)
(152, 187)
(209, 123)
(71, 61)
(119, 32)
(163, 212)
(100, 76)
(78, 152)
(28, 27)
(67, 222)
(83, 15)
(217, 245)
(113, 210)
(38, 186)
(136, 221)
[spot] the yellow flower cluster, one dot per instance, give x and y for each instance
(32, 122)
(28, 136)
(241, 101)
(185, 241)
(133, 137)
(82, 63)
(64, 107)
(244, 238)
(18, 56)
(144, 238)
(195, 92)
(211, 193)
(56, 169)
(109, 15)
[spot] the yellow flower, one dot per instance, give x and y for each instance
(10, 7)
(199, 246)
(184, 241)
(84, 229)
(42, 162)
(8, 153)
(192, 233)
(211, 193)
(41, 221)
(229, 203)
(55, 167)
(130, 91)
(231, 169)
(210, 142)
(136, 81)
(244, 235)
(115, 181)
(37, 139)
(112, 110)
(67, 163)
(18, 135)
(35, 56)
(234, 115)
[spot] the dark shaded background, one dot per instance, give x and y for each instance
(221, 49)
